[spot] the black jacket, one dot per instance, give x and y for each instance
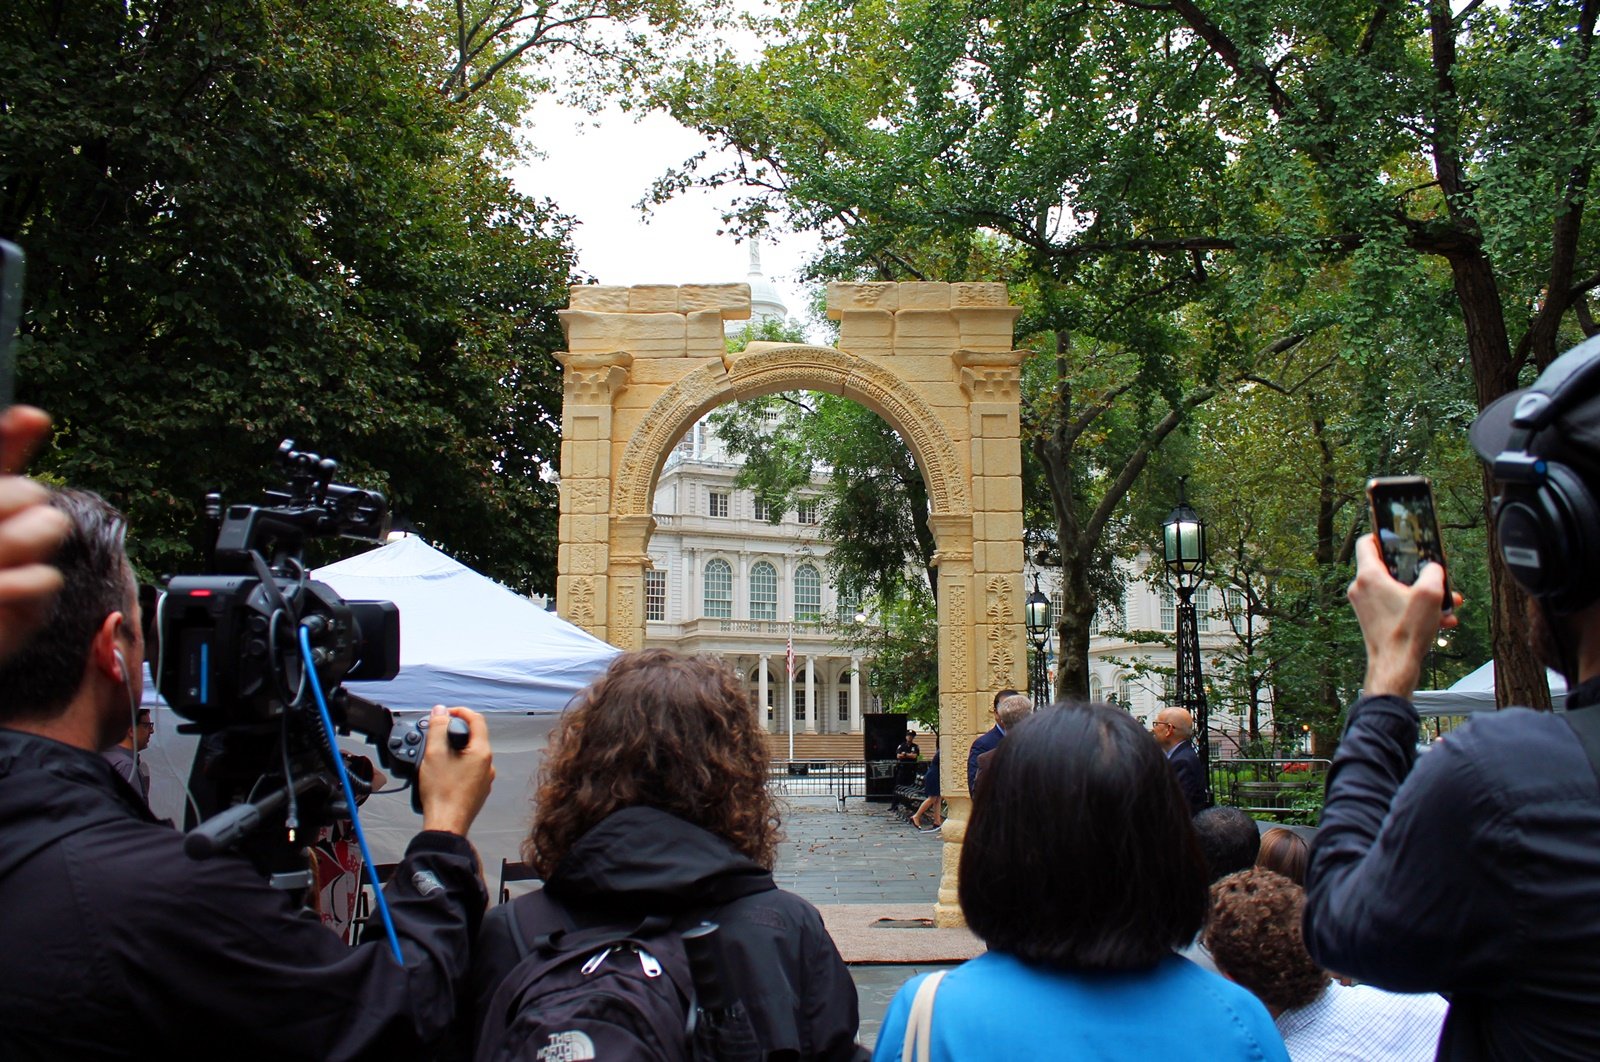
(117, 945)
(1473, 871)
(987, 741)
(641, 861)
(1185, 763)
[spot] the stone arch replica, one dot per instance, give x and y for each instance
(934, 360)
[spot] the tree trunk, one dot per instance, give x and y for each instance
(1073, 630)
(1519, 678)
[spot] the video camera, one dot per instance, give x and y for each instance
(232, 662)
(230, 654)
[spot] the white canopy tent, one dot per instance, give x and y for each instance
(1475, 693)
(464, 639)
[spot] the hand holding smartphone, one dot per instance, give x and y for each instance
(1407, 529)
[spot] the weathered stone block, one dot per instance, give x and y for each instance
(598, 297)
(731, 302)
(842, 297)
(858, 325)
(978, 295)
(999, 457)
(703, 324)
(924, 295)
(653, 298)
(922, 324)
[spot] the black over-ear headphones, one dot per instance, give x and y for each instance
(1547, 518)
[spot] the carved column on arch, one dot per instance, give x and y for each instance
(590, 386)
(625, 580)
(957, 685)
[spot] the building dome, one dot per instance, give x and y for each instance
(765, 302)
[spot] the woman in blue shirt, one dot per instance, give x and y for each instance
(1081, 872)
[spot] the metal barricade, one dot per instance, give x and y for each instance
(830, 778)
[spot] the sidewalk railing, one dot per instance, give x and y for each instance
(834, 778)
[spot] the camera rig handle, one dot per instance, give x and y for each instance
(220, 833)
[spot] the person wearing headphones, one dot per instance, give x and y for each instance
(118, 945)
(1475, 870)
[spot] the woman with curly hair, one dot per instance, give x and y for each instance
(653, 801)
(1254, 936)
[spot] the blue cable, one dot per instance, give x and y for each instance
(349, 795)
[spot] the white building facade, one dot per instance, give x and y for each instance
(728, 581)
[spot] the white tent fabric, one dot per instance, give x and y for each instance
(1475, 693)
(464, 638)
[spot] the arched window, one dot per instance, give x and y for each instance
(719, 590)
(763, 591)
(1094, 688)
(807, 594)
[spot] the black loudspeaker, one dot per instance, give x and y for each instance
(1547, 518)
(881, 735)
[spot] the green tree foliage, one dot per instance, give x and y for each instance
(248, 221)
(902, 641)
(1182, 180)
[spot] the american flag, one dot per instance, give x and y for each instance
(788, 656)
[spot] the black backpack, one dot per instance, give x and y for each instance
(619, 991)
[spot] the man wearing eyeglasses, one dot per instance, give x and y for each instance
(125, 754)
(1173, 728)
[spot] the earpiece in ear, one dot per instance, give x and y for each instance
(121, 663)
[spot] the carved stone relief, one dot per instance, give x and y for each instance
(580, 608)
(1001, 616)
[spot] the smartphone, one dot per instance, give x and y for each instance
(1407, 529)
(10, 310)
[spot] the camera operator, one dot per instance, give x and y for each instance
(119, 945)
(1475, 871)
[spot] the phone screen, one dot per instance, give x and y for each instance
(1407, 529)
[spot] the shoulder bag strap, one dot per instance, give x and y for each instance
(919, 1026)
(1585, 723)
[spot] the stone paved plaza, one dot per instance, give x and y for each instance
(863, 859)
(861, 855)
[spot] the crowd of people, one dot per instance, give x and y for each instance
(1448, 905)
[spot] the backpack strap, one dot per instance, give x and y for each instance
(571, 932)
(1585, 723)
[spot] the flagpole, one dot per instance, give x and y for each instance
(789, 662)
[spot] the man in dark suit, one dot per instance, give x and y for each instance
(987, 741)
(1173, 728)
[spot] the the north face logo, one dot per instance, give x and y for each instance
(567, 1047)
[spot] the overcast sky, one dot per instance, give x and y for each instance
(596, 167)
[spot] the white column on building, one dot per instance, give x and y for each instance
(744, 581)
(694, 592)
(761, 692)
(811, 694)
(855, 694)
